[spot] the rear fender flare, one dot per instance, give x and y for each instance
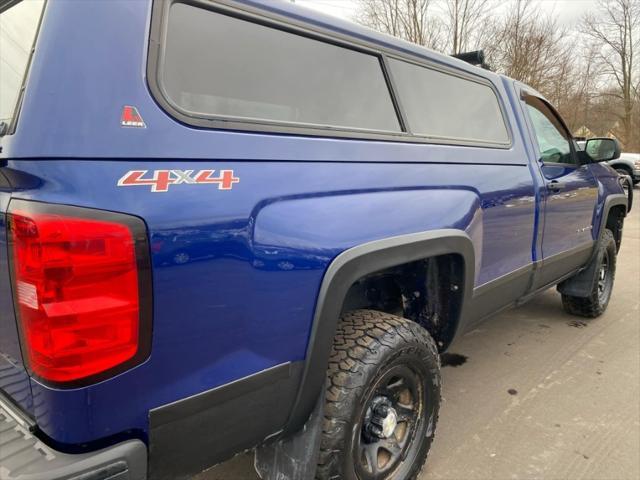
(343, 272)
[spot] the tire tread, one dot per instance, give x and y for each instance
(590, 306)
(360, 338)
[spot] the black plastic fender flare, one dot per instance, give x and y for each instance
(343, 272)
(629, 181)
(612, 200)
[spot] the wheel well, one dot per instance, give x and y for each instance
(615, 221)
(428, 292)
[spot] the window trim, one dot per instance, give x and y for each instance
(157, 37)
(462, 75)
(201, 119)
(23, 85)
(576, 164)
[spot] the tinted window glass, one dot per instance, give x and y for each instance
(18, 27)
(220, 65)
(553, 140)
(445, 106)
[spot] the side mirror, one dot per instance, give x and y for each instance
(602, 149)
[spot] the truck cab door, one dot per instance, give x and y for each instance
(570, 194)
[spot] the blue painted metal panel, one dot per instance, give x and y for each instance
(524, 132)
(608, 182)
(243, 298)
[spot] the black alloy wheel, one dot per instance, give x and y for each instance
(382, 399)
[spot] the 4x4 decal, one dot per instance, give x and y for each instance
(161, 179)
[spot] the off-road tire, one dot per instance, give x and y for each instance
(369, 344)
(595, 303)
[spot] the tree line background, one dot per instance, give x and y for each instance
(590, 72)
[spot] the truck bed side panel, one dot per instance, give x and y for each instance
(268, 239)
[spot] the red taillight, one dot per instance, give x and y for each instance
(79, 280)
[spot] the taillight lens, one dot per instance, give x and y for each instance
(81, 290)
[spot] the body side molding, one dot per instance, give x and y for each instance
(343, 272)
(191, 434)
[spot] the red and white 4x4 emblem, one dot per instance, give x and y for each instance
(161, 179)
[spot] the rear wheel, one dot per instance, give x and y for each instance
(596, 302)
(382, 400)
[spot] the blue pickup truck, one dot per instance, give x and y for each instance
(232, 225)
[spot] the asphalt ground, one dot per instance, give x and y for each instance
(535, 393)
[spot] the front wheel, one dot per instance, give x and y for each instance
(382, 399)
(604, 272)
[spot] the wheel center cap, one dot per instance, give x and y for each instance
(389, 423)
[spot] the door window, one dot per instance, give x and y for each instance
(553, 139)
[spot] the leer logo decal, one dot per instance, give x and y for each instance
(131, 118)
(162, 179)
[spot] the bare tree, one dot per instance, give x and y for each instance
(412, 20)
(582, 89)
(383, 16)
(463, 20)
(615, 29)
(530, 47)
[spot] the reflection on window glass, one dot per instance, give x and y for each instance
(552, 139)
(446, 106)
(215, 64)
(18, 26)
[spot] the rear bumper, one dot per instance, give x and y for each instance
(24, 457)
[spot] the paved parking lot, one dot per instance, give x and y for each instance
(539, 394)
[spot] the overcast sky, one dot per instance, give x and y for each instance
(567, 11)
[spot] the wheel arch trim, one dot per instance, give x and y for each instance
(344, 271)
(577, 285)
(611, 200)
